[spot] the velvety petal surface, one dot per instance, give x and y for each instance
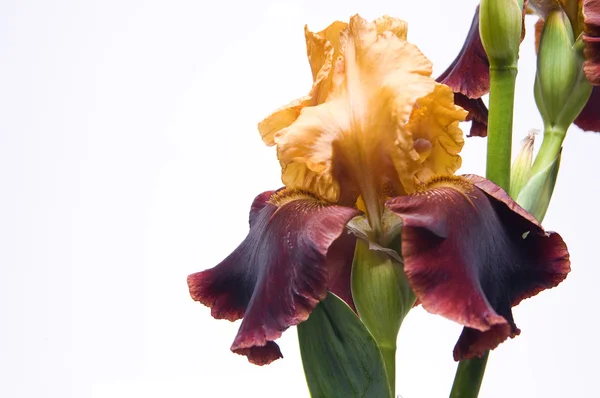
(469, 77)
(469, 73)
(478, 114)
(589, 117)
(591, 38)
(471, 253)
(279, 273)
(339, 267)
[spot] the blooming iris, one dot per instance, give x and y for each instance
(469, 78)
(376, 134)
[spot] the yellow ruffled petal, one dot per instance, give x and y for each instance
(393, 25)
(434, 125)
(305, 149)
(374, 123)
(322, 48)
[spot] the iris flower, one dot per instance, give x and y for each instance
(377, 134)
(468, 75)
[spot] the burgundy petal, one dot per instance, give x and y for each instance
(591, 38)
(279, 273)
(469, 77)
(478, 114)
(469, 74)
(339, 267)
(589, 117)
(471, 253)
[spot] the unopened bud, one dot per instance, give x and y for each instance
(500, 24)
(561, 89)
(380, 288)
(521, 167)
(535, 196)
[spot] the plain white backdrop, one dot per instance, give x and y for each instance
(129, 156)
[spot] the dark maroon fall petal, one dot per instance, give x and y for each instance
(546, 252)
(471, 253)
(469, 77)
(591, 65)
(469, 73)
(279, 273)
(589, 117)
(214, 289)
(478, 114)
(339, 267)
(591, 38)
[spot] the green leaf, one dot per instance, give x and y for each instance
(339, 355)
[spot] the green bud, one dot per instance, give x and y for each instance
(537, 192)
(561, 89)
(380, 289)
(380, 292)
(382, 298)
(500, 25)
(521, 167)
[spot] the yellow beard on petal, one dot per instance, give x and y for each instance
(374, 124)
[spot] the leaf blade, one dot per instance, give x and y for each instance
(339, 355)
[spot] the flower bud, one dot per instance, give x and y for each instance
(500, 24)
(380, 289)
(378, 284)
(536, 194)
(521, 167)
(561, 89)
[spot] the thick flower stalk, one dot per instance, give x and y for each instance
(371, 210)
(500, 29)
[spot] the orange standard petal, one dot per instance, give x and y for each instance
(374, 123)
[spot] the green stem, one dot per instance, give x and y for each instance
(500, 119)
(389, 360)
(553, 139)
(469, 375)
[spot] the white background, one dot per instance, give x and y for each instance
(129, 157)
